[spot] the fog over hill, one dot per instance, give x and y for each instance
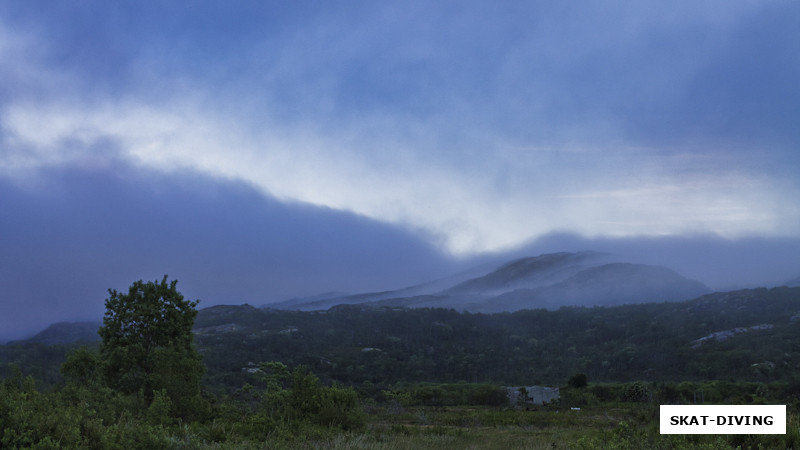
(545, 281)
(529, 272)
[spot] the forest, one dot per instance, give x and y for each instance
(353, 344)
(371, 377)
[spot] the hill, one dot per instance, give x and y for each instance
(748, 335)
(65, 333)
(545, 281)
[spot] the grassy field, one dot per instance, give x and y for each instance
(614, 426)
(80, 417)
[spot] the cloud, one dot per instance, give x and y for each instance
(81, 231)
(722, 264)
(258, 150)
(481, 126)
(470, 209)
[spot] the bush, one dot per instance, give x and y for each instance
(578, 381)
(299, 396)
(637, 391)
(428, 394)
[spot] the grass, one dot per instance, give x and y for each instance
(618, 426)
(472, 428)
(606, 426)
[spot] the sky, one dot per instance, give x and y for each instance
(259, 150)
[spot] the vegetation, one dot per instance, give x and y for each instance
(357, 377)
(142, 389)
(656, 342)
(291, 409)
(147, 346)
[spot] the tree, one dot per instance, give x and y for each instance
(81, 367)
(577, 381)
(147, 344)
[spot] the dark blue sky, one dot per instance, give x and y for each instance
(259, 150)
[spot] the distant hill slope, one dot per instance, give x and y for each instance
(795, 282)
(750, 334)
(328, 300)
(65, 333)
(528, 273)
(606, 285)
(544, 281)
(746, 335)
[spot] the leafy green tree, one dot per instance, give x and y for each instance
(81, 367)
(147, 344)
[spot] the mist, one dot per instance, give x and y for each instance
(722, 264)
(74, 233)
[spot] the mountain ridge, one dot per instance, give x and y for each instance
(548, 280)
(244, 318)
(748, 334)
(60, 333)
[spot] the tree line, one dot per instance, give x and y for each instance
(353, 344)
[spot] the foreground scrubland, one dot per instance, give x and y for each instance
(292, 409)
(241, 377)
